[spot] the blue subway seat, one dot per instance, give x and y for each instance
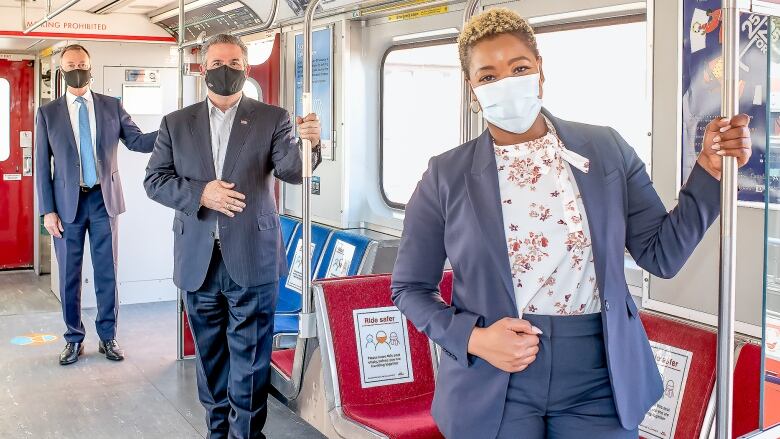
(285, 324)
(290, 298)
(343, 255)
(289, 226)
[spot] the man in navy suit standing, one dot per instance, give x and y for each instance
(214, 163)
(80, 192)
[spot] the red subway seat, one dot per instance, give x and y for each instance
(399, 411)
(701, 375)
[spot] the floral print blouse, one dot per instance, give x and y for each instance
(547, 237)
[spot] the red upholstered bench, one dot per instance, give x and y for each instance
(188, 342)
(282, 360)
(399, 410)
(693, 413)
(445, 287)
(747, 390)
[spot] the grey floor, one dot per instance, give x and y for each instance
(149, 395)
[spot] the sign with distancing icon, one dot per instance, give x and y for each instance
(383, 347)
(673, 364)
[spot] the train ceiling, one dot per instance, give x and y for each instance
(209, 16)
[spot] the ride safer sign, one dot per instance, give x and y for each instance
(673, 365)
(383, 347)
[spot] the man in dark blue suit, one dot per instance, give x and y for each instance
(80, 192)
(214, 163)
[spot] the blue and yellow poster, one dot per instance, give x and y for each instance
(322, 83)
(702, 76)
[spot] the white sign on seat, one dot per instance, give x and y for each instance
(382, 347)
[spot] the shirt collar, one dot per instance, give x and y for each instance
(213, 107)
(72, 98)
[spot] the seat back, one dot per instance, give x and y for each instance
(337, 300)
(343, 255)
(289, 289)
(693, 412)
(289, 227)
(747, 390)
(445, 287)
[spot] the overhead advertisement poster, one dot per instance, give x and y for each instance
(702, 78)
(382, 347)
(673, 364)
(321, 84)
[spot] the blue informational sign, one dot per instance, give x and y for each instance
(322, 83)
(702, 77)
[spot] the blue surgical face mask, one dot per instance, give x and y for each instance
(512, 103)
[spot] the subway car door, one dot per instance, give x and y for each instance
(16, 164)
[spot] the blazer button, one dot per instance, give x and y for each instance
(213, 235)
(606, 305)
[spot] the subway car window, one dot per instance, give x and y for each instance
(258, 52)
(420, 114)
(5, 116)
(598, 75)
(252, 89)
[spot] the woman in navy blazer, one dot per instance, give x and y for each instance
(535, 216)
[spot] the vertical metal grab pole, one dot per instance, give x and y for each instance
(308, 321)
(179, 297)
(182, 28)
(728, 227)
(465, 110)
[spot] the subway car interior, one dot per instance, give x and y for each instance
(385, 80)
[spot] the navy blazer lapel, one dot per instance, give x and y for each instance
(201, 135)
(242, 124)
(484, 194)
(591, 187)
(65, 116)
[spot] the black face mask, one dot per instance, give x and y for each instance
(225, 81)
(77, 78)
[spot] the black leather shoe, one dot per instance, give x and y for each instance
(111, 349)
(71, 353)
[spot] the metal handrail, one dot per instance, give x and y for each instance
(728, 228)
(46, 17)
(307, 329)
(306, 306)
(180, 105)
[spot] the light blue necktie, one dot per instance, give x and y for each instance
(88, 170)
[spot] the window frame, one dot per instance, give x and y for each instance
(405, 46)
(257, 87)
(542, 28)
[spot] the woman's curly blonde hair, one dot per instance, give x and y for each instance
(489, 24)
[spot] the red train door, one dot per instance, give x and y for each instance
(16, 166)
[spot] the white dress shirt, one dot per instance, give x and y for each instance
(548, 241)
(73, 111)
(221, 124)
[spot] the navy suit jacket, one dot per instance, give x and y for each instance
(456, 213)
(261, 145)
(59, 193)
